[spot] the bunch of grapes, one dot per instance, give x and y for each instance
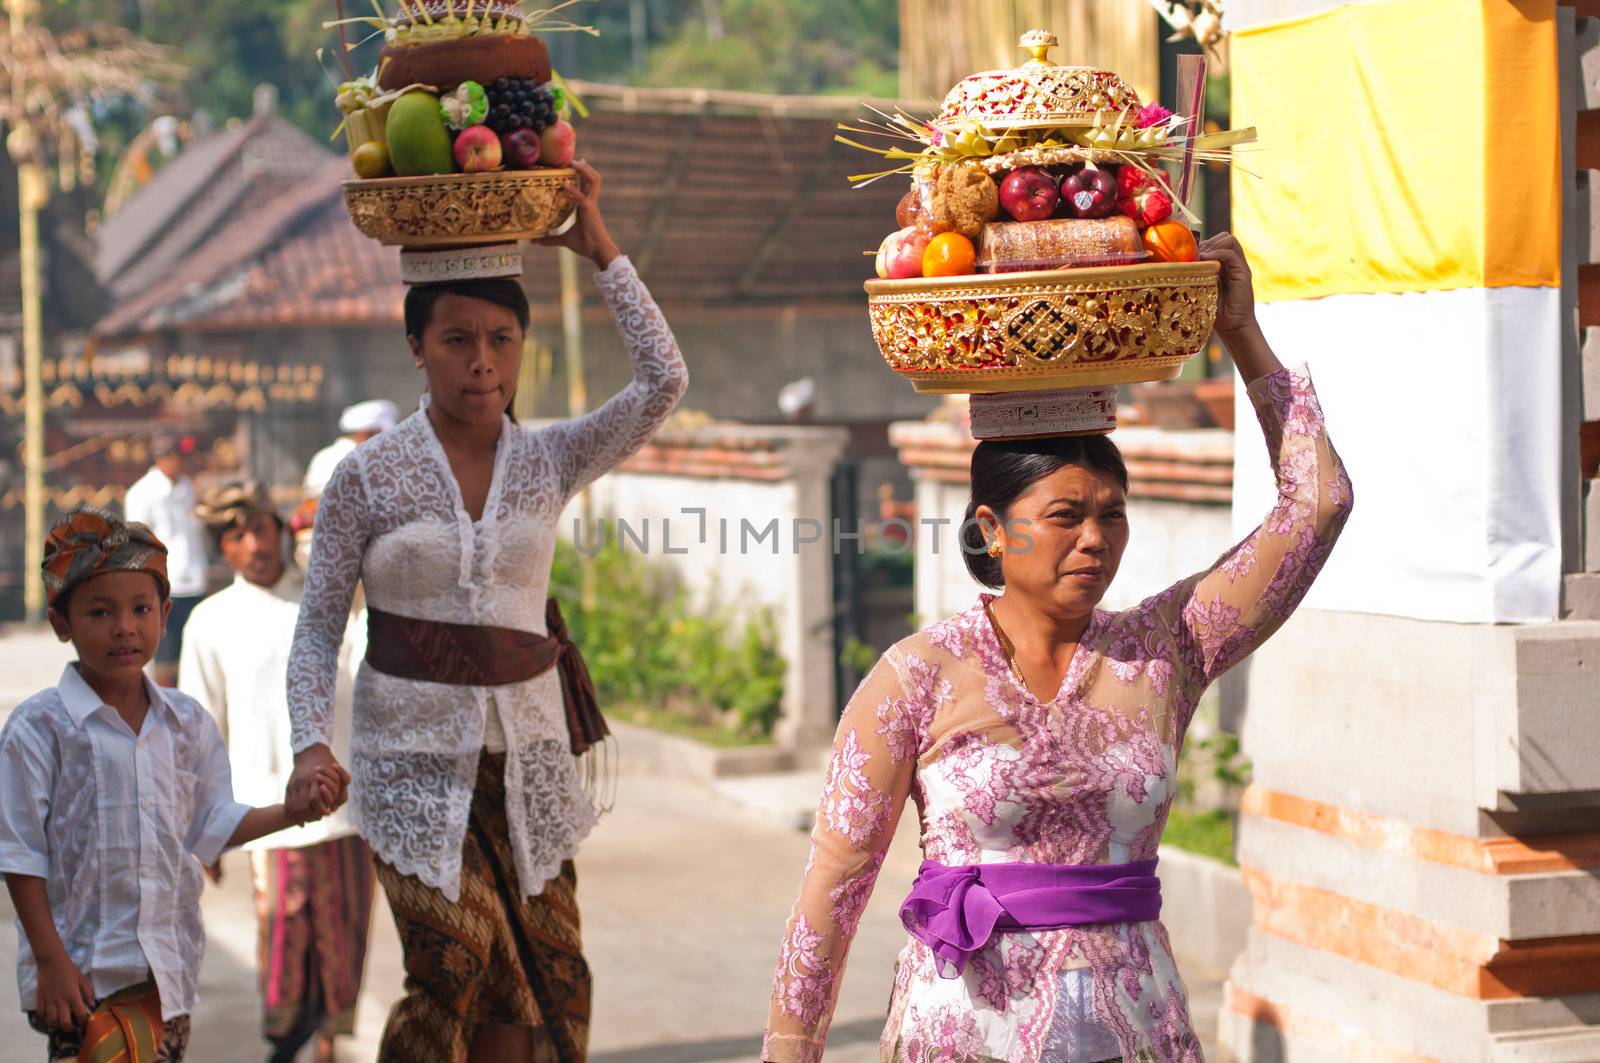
(518, 103)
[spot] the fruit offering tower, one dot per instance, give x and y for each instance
(1041, 257)
(461, 137)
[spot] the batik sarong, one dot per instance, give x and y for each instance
(125, 1027)
(494, 956)
(313, 912)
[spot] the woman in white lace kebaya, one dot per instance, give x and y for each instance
(1039, 737)
(463, 779)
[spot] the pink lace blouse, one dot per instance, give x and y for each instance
(1087, 777)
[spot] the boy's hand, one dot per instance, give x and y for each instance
(334, 787)
(65, 997)
(304, 795)
(331, 791)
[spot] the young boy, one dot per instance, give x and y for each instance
(113, 792)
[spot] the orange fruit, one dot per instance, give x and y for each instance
(949, 255)
(1171, 241)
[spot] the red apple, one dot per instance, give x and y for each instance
(477, 149)
(1090, 192)
(522, 149)
(557, 144)
(900, 254)
(1029, 194)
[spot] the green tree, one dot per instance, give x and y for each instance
(780, 46)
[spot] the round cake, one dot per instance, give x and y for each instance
(442, 43)
(445, 64)
(1012, 246)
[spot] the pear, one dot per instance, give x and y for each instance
(418, 141)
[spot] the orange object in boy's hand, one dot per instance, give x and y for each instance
(949, 255)
(1171, 241)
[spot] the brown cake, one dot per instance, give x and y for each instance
(445, 42)
(446, 64)
(1013, 246)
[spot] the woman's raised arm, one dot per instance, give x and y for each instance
(585, 448)
(1219, 616)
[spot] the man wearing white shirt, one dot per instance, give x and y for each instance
(163, 500)
(357, 424)
(313, 884)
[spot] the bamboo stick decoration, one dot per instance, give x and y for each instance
(344, 41)
(1191, 102)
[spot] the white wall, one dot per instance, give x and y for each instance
(766, 545)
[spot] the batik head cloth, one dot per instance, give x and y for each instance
(233, 504)
(90, 541)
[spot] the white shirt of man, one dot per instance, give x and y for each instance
(235, 662)
(109, 819)
(167, 507)
(324, 461)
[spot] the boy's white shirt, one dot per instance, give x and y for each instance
(235, 662)
(114, 824)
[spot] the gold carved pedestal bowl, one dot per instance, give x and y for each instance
(988, 333)
(461, 209)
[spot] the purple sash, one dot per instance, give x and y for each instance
(956, 910)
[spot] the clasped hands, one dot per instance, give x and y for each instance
(319, 785)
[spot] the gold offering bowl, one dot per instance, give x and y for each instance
(461, 209)
(1049, 329)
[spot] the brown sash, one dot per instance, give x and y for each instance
(471, 655)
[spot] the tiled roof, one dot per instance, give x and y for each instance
(718, 198)
(211, 282)
(189, 199)
(326, 274)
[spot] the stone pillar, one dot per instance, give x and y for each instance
(1422, 837)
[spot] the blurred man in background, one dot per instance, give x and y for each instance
(163, 499)
(313, 884)
(358, 424)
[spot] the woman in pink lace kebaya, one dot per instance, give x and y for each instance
(1039, 737)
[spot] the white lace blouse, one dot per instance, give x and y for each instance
(392, 517)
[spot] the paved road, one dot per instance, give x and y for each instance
(684, 893)
(684, 901)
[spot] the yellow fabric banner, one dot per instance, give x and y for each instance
(1405, 145)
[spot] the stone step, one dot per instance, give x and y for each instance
(1580, 595)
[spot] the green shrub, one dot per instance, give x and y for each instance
(647, 645)
(1209, 833)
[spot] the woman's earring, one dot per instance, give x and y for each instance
(996, 547)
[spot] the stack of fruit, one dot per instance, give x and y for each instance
(1041, 168)
(1039, 245)
(462, 87)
